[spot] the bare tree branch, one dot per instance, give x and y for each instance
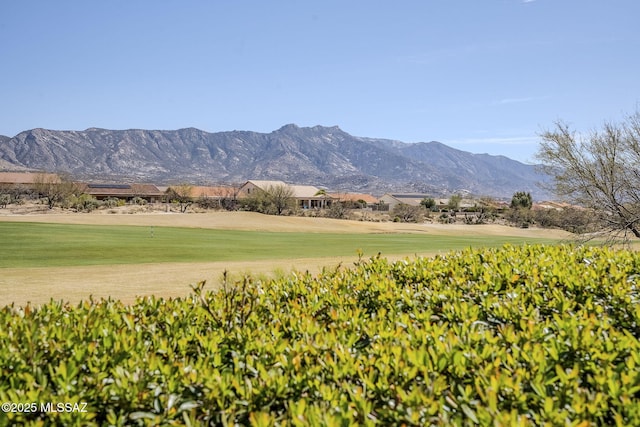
(600, 171)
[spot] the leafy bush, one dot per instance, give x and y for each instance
(209, 203)
(520, 217)
(519, 335)
(446, 218)
(112, 202)
(521, 200)
(337, 210)
(5, 199)
(275, 200)
(138, 201)
(258, 202)
(573, 220)
(83, 203)
(406, 213)
(429, 203)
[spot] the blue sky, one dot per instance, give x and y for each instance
(485, 76)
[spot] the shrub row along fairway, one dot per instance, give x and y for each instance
(26, 245)
(526, 335)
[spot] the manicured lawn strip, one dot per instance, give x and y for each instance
(43, 245)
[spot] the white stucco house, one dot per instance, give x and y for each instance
(306, 196)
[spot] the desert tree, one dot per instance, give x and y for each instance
(520, 209)
(454, 202)
(273, 200)
(337, 210)
(407, 213)
(486, 208)
(15, 192)
(54, 189)
(257, 201)
(280, 197)
(181, 195)
(570, 218)
(521, 200)
(429, 203)
(599, 170)
(229, 198)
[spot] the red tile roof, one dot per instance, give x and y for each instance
(354, 197)
(121, 190)
(24, 177)
(213, 192)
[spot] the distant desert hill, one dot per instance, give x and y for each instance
(321, 156)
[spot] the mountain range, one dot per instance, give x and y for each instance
(321, 156)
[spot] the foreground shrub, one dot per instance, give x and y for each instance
(519, 335)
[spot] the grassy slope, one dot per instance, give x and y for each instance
(27, 245)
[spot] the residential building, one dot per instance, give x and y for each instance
(356, 199)
(127, 192)
(306, 196)
(395, 199)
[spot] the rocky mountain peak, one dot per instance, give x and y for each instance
(318, 155)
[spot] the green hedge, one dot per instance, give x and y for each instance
(512, 336)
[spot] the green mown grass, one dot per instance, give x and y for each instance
(43, 245)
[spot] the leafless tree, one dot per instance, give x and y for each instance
(408, 213)
(181, 195)
(54, 189)
(274, 200)
(281, 197)
(229, 198)
(599, 171)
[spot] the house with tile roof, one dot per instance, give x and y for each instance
(306, 196)
(26, 178)
(355, 199)
(224, 196)
(415, 199)
(395, 199)
(127, 192)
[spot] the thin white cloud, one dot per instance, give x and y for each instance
(508, 101)
(437, 56)
(515, 140)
